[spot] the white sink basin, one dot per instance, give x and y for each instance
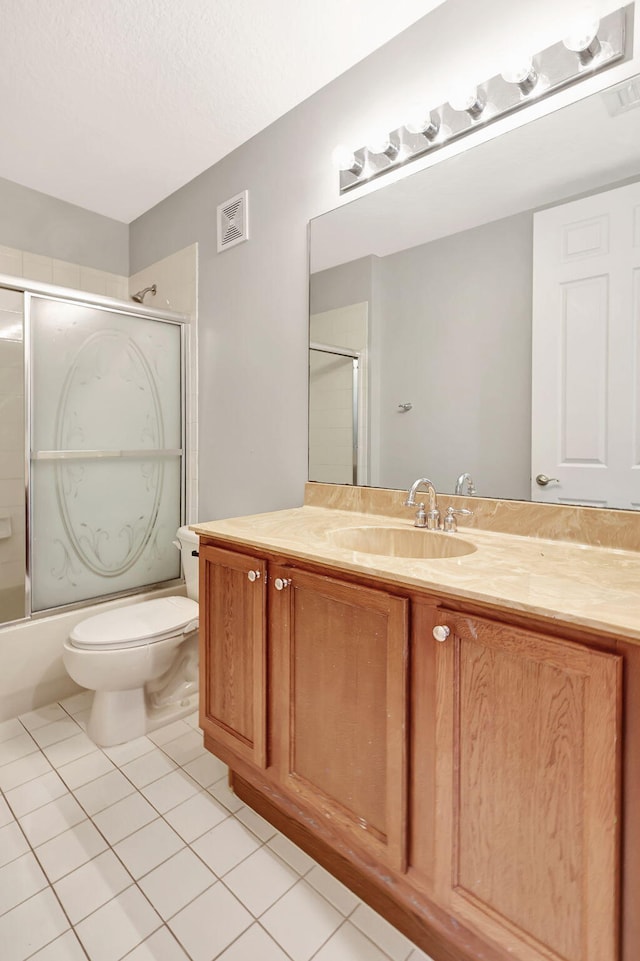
(401, 542)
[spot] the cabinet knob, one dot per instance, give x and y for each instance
(254, 576)
(281, 583)
(441, 632)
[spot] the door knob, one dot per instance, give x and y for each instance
(441, 632)
(542, 480)
(253, 576)
(281, 583)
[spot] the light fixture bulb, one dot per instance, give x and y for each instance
(343, 158)
(381, 144)
(583, 40)
(468, 99)
(582, 35)
(423, 122)
(378, 142)
(523, 74)
(518, 71)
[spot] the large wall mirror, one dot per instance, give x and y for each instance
(482, 316)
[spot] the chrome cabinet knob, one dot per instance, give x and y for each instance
(441, 632)
(542, 480)
(254, 575)
(281, 583)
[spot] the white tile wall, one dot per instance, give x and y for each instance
(11, 261)
(331, 393)
(342, 327)
(48, 270)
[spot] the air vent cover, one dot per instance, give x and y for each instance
(233, 221)
(624, 96)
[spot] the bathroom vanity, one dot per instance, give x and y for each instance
(457, 738)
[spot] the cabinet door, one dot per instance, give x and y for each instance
(233, 673)
(339, 688)
(527, 795)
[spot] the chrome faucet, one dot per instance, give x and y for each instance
(430, 520)
(460, 484)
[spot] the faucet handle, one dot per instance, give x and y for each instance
(421, 517)
(450, 525)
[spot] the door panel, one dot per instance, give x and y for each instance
(341, 705)
(528, 746)
(233, 649)
(586, 318)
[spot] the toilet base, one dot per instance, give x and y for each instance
(120, 716)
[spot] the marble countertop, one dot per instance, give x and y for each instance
(580, 585)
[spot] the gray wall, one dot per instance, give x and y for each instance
(451, 334)
(253, 298)
(455, 341)
(33, 221)
(340, 286)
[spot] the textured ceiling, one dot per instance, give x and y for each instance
(114, 104)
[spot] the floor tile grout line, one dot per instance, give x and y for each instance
(134, 881)
(186, 845)
(301, 878)
(275, 941)
(35, 776)
(53, 891)
(48, 945)
(75, 734)
(333, 933)
(161, 815)
(109, 900)
(164, 926)
(347, 920)
(255, 921)
(90, 817)
(52, 884)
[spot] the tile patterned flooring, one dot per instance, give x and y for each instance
(141, 852)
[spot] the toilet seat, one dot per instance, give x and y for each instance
(136, 624)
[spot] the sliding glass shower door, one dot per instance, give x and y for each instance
(106, 451)
(333, 414)
(12, 457)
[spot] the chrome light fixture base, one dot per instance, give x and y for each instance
(554, 69)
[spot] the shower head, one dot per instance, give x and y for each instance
(139, 297)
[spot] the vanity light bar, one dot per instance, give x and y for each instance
(590, 48)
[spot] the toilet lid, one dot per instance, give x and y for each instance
(137, 624)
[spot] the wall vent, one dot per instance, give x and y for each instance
(233, 221)
(624, 96)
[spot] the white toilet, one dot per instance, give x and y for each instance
(141, 660)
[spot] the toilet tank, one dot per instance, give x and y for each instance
(189, 542)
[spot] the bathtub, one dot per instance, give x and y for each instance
(31, 670)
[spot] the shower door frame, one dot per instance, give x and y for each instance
(358, 445)
(76, 297)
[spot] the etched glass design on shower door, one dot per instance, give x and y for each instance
(106, 477)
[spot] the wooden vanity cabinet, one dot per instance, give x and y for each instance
(469, 788)
(233, 652)
(340, 661)
(527, 752)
